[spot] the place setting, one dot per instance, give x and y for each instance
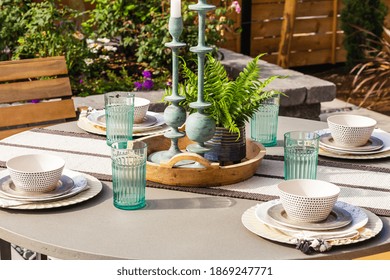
(40, 181)
(353, 137)
(310, 216)
(144, 122)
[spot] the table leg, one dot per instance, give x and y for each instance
(41, 257)
(5, 250)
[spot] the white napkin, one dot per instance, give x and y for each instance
(384, 136)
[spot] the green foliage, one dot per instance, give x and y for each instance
(108, 47)
(142, 27)
(10, 28)
(50, 31)
(365, 14)
(233, 102)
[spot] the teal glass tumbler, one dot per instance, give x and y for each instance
(119, 113)
(300, 155)
(264, 122)
(129, 174)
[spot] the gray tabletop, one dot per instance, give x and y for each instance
(173, 225)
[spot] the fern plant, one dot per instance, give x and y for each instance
(233, 102)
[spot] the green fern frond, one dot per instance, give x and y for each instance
(233, 102)
(249, 74)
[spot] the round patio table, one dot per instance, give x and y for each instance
(174, 225)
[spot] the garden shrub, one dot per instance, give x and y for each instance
(51, 31)
(11, 11)
(143, 27)
(109, 47)
(364, 14)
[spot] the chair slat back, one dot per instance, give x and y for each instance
(32, 68)
(43, 79)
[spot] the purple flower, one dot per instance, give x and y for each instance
(147, 74)
(235, 5)
(148, 84)
(138, 85)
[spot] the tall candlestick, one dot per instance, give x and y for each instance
(199, 126)
(174, 115)
(175, 8)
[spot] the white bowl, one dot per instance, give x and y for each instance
(35, 172)
(141, 106)
(351, 130)
(308, 200)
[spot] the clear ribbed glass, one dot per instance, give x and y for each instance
(129, 174)
(300, 155)
(119, 109)
(264, 123)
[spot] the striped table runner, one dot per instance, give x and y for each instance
(362, 185)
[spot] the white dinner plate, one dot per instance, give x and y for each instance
(254, 225)
(8, 188)
(373, 145)
(158, 128)
(151, 120)
(86, 187)
(359, 153)
(359, 219)
(157, 123)
(87, 126)
(384, 152)
(338, 218)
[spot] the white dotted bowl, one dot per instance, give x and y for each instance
(307, 200)
(351, 130)
(141, 106)
(36, 172)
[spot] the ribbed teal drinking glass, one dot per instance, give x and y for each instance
(300, 155)
(119, 112)
(264, 123)
(129, 174)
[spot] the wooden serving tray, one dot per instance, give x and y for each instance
(211, 174)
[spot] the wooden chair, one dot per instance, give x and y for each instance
(43, 79)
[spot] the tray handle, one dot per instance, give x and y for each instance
(189, 156)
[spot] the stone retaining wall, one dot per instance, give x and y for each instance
(304, 93)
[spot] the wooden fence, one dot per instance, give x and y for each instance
(291, 32)
(310, 34)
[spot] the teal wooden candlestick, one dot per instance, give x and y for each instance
(174, 115)
(199, 126)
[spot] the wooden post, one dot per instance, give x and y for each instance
(287, 32)
(246, 18)
(334, 30)
(5, 250)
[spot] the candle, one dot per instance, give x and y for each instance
(176, 8)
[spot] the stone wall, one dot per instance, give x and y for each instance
(304, 93)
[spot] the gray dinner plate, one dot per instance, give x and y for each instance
(8, 188)
(373, 144)
(338, 218)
